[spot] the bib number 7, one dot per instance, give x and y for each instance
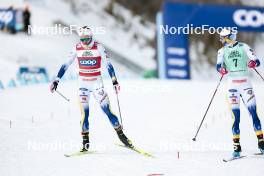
(235, 61)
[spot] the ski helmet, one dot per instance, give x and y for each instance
(86, 35)
(227, 35)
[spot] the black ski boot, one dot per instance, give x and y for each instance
(122, 137)
(261, 143)
(85, 142)
(237, 148)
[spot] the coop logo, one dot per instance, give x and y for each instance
(248, 18)
(88, 62)
(6, 16)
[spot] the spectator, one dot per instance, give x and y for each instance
(26, 18)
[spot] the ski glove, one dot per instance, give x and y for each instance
(223, 71)
(116, 86)
(54, 85)
(252, 64)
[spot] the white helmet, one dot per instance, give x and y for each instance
(85, 34)
(227, 33)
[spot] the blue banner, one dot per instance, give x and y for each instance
(32, 74)
(7, 18)
(179, 20)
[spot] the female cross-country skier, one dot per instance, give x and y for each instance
(235, 59)
(91, 56)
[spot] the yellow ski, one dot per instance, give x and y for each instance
(79, 153)
(140, 151)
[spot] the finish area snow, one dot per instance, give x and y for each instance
(37, 128)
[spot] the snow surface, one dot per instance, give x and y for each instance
(160, 117)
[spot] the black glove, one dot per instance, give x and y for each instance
(115, 82)
(116, 86)
(54, 85)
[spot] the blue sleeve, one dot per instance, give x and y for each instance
(220, 59)
(62, 71)
(218, 67)
(257, 62)
(71, 57)
(111, 70)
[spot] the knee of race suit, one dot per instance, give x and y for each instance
(235, 127)
(111, 116)
(256, 122)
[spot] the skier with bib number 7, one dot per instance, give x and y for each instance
(91, 55)
(235, 59)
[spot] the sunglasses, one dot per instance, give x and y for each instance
(85, 39)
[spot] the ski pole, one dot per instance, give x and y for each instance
(194, 139)
(259, 74)
(65, 98)
(119, 109)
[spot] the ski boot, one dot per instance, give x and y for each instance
(85, 142)
(237, 148)
(261, 143)
(122, 137)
